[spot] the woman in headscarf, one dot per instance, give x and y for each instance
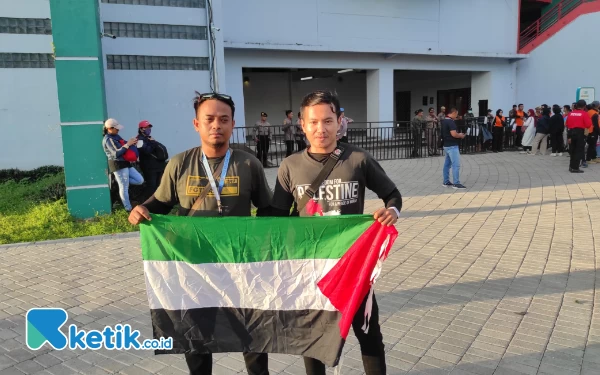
(557, 127)
(529, 131)
(499, 123)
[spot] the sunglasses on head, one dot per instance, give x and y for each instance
(200, 98)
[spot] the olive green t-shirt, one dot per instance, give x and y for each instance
(184, 179)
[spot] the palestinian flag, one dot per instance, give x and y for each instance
(266, 285)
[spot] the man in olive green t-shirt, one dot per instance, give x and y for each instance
(185, 178)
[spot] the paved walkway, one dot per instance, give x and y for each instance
(497, 279)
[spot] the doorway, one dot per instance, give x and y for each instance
(458, 98)
(403, 112)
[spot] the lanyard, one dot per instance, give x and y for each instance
(211, 179)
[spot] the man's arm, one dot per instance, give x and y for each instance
(162, 201)
(283, 198)
(457, 135)
(380, 183)
(595, 122)
(260, 192)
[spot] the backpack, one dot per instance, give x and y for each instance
(159, 152)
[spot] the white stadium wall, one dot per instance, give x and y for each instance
(554, 70)
(442, 27)
(163, 97)
(29, 115)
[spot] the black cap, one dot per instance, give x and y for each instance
(263, 114)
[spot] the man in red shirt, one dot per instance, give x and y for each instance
(577, 122)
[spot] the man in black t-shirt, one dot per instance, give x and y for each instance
(341, 193)
(451, 141)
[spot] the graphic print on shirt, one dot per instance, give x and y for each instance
(195, 185)
(331, 195)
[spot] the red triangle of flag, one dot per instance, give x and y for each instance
(349, 281)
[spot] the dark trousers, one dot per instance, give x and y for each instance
(591, 151)
(301, 144)
(417, 138)
(498, 133)
(201, 364)
(289, 148)
(557, 141)
(262, 149)
(519, 136)
(371, 344)
(577, 147)
(152, 178)
(508, 135)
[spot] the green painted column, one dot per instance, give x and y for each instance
(82, 104)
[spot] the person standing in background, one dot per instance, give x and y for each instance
(594, 130)
(557, 127)
(342, 135)
(289, 132)
(417, 125)
(120, 155)
(153, 156)
(262, 136)
(299, 134)
(498, 131)
(442, 115)
(577, 122)
(512, 112)
(451, 141)
(529, 129)
(519, 120)
(567, 109)
(542, 129)
(490, 118)
(431, 127)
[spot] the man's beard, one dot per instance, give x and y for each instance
(218, 145)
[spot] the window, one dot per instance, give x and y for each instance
(26, 60)
(161, 3)
(25, 26)
(155, 31)
(137, 62)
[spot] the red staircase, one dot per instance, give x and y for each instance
(553, 21)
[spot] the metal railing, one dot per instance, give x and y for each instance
(383, 140)
(550, 18)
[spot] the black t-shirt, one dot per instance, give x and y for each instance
(447, 126)
(342, 192)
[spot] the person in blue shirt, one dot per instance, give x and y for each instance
(120, 156)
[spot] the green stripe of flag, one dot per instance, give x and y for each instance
(200, 240)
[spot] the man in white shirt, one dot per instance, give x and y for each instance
(342, 135)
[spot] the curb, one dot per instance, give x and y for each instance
(102, 237)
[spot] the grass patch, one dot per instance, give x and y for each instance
(34, 208)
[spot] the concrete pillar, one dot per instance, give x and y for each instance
(380, 99)
(82, 104)
(481, 89)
